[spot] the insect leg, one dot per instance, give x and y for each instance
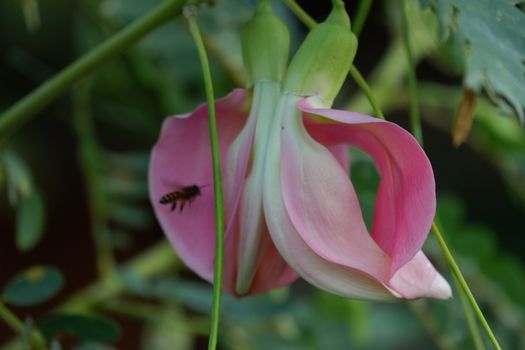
(174, 206)
(182, 206)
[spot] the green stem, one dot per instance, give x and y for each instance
(448, 256)
(27, 107)
(89, 160)
(360, 17)
(415, 120)
(36, 339)
(304, 17)
(361, 82)
(354, 72)
(464, 286)
(217, 182)
(471, 321)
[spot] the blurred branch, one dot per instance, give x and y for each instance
(231, 70)
(29, 106)
(415, 120)
(36, 338)
(389, 73)
(360, 17)
(301, 14)
(422, 312)
(155, 261)
(89, 160)
(146, 311)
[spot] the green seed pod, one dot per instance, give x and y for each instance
(322, 62)
(265, 45)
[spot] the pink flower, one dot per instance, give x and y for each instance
(181, 158)
(314, 215)
(289, 202)
(298, 173)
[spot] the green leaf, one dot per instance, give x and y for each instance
(85, 328)
(33, 285)
(30, 220)
(493, 47)
(19, 181)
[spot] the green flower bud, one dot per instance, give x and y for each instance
(322, 62)
(265, 45)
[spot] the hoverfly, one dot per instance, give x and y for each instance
(181, 196)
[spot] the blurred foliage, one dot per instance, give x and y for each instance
(89, 156)
(489, 36)
(33, 286)
(85, 328)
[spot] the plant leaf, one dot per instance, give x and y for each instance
(85, 328)
(493, 39)
(33, 285)
(30, 220)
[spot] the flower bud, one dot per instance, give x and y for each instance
(322, 62)
(265, 45)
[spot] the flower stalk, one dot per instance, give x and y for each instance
(217, 181)
(444, 248)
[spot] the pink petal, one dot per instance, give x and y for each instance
(323, 205)
(405, 202)
(181, 158)
(258, 265)
(419, 279)
(305, 261)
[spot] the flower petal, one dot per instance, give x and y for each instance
(419, 279)
(259, 267)
(322, 203)
(299, 252)
(405, 202)
(182, 158)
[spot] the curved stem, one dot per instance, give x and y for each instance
(354, 72)
(444, 248)
(301, 14)
(464, 286)
(415, 120)
(361, 82)
(88, 156)
(27, 107)
(217, 182)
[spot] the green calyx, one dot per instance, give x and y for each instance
(265, 45)
(322, 62)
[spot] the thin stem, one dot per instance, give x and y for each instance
(36, 339)
(361, 82)
(217, 182)
(301, 14)
(446, 252)
(23, 110)
(471, 320)
(354, 72)
(89, 160)
(464, 286)
(415, 120)
(360, 17)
